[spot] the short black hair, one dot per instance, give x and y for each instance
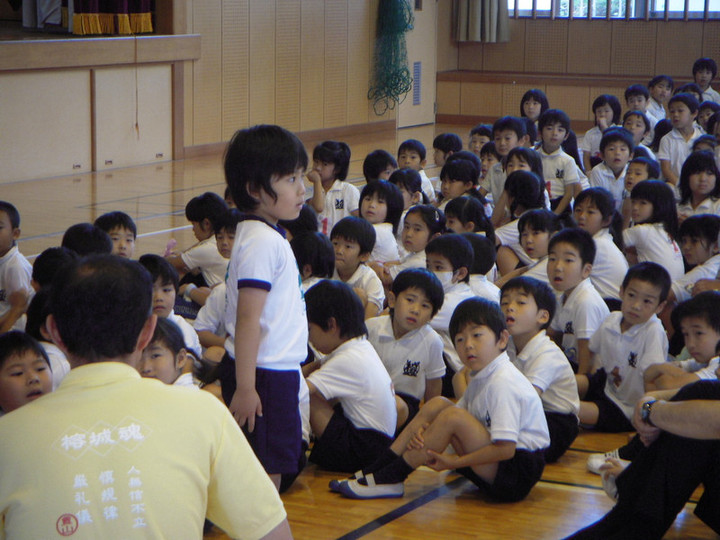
(390, 193)
(376, 162)
(536, 95)
(640, 115)
(330, 299)
(652, 166)
(335, 152)
(255, 156)
(554, 116)
(413, 145)
(12, 213)
(530, 129)
(526, 189)
(489, 149)
(579, 239)
(712, 122)
(541, 292)
(462, 170)
(455, 248)
(478, 311)
(662, 128)
(652, 273)
(483, 253)
(448, 142)
(307, 221)
(110, 295)
(617, 134)
(410, 180)
(705, 227)
(604, 201)
(612, 101)
(423, 279)
(37, 312)
(636, 90)
(662, 198)
(530, 156)
(160, 268)
(539, 219)
(433, 217)
(228, 220)
(510, 123)
(205, 206)
(714, 107)
(704, 139)
(315, 249)
(87, 239)
(116, 220)
(468, 156)
(483, 130)
(468, 209)
(704, 305)
(49, 262)
(355, 229)
(169, 334)
(705, 63)
(698, 162)
(692, 89)
(16, 343)
(689, 100)
(657, 79)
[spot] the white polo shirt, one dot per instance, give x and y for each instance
(547, 368)
(559, 171)
(340, 200)
(454, 294)
(483, 288)
(602, 176)
(711, 95)
(626, 355)
(262, 258)
(386, 247)
(494, 182)
(655, 109)
(539, 271)
(427, 186)
(675, 149)
(15, 275)
(205, 256)
(610, 266)
(590, 143)
(192, 341)
(409, 260)
(710, 205)
(508, 234)
(654, 244)
(366, 279)
(211, 317)
(354, 375)
(682, 287)
(411, 360)
(505, 402)
(579, 316)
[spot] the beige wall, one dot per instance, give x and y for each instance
(303, 64)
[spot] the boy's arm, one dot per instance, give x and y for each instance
(433, 388)
(245, 404)
(178, 264)
(18, 305)
(566, 198)
(318, 199)
(307, 369)
(584, 357)
(494, 452)
(667, 172)
(460, 382)
(498, 215)
(586, 161)
(210, 339)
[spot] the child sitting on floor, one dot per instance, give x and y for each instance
(24, 371)
(165, 358)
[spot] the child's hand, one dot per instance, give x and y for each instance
(603, 123)
(169, 248)
(418, 442)
(314, 177)
(440, 462)
(612, 467)
(245, 406)
(703, 285)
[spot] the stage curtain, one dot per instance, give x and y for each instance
(113, 17)
(481, 20)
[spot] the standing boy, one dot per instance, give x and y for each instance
(15, 272)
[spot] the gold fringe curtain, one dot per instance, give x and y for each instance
(114, 17)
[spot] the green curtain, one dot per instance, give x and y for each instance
(481, 20)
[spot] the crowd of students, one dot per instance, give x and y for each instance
(474, 321)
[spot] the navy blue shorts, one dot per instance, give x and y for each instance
(277, 437)
(413, 405)
(345, 448)
(611, 418)
(515, 476)
(563, 429)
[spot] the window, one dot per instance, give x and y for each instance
(616, 9)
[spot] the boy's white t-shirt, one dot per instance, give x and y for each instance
(366, 279)
(192, 341)
(186, 381)
(340, 200)
(409, 260)
(711, 95)
(547, 368)
(655, 109)
(15, 275)
(354, 375)
(711, 205)
(559, 172)
(682, 287)
(386, 247)
(59, 364)
(590, 143)
(610, 266)
(494, 182)
(483, 288)
(579, 316)
(205, 256)
(454, 294)
(505, 402)
(211, 317)
(262, 258)
(675, 149)
(427, 186)
(539, 271)
(654, 244)
(704, 372)
(410, 360)
(508, 234)
(626, 355)
(602, 176)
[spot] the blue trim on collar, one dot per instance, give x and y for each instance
(253, 217)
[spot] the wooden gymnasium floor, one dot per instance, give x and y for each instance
(435, 506)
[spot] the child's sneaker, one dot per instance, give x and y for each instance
(595, 461)
(334, 485)
(353, 489)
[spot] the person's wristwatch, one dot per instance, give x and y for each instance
(645, 411)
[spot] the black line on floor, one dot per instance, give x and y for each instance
(571, 484)
(403, 510)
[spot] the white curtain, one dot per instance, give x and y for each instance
(481, 20)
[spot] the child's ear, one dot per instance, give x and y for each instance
(363, 257)
(660, 307)
(205, 225)
(714, 248)
(543, 316)
(460, 274)
(306, 271)
(416, 198)
(391, 300)
(524, 140)
(468, 186)
(16, 233)
(181, 359)
(503, 339)
(424, 161)
(469, 226)
(586, 269)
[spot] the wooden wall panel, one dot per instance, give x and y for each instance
(189, 84)
(287, 68)
(588, 47)
(480, 99)
(470, 55)
(360, 43)
(312, 76)
(638, 37)
(261, 73)
(546, 46)
(448, 97)
(507, 56)
(235, 66)
(512, 95)
(207, 74)
(571, 99)
(447, 48)
(711, 40)
(336, 50)
(678, 45)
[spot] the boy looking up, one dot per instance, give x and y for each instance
(411, 153)
(616, 150)
(529, 306)
(265, 311)
(625, 345)
(480, 135)
(353, 239)
(704, 71)
(581, 309)
(15, 272)
(122, 231)
(497, 429)
(676, 146)
(559, 169)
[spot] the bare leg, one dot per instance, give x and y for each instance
(320, 414)
(589, 413)
(426, 415)
(583, 383)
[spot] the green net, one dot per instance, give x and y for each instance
(391, 79)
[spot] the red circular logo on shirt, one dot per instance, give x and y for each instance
(66, 525)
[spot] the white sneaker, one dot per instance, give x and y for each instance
(595, 461)
(355, 490)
